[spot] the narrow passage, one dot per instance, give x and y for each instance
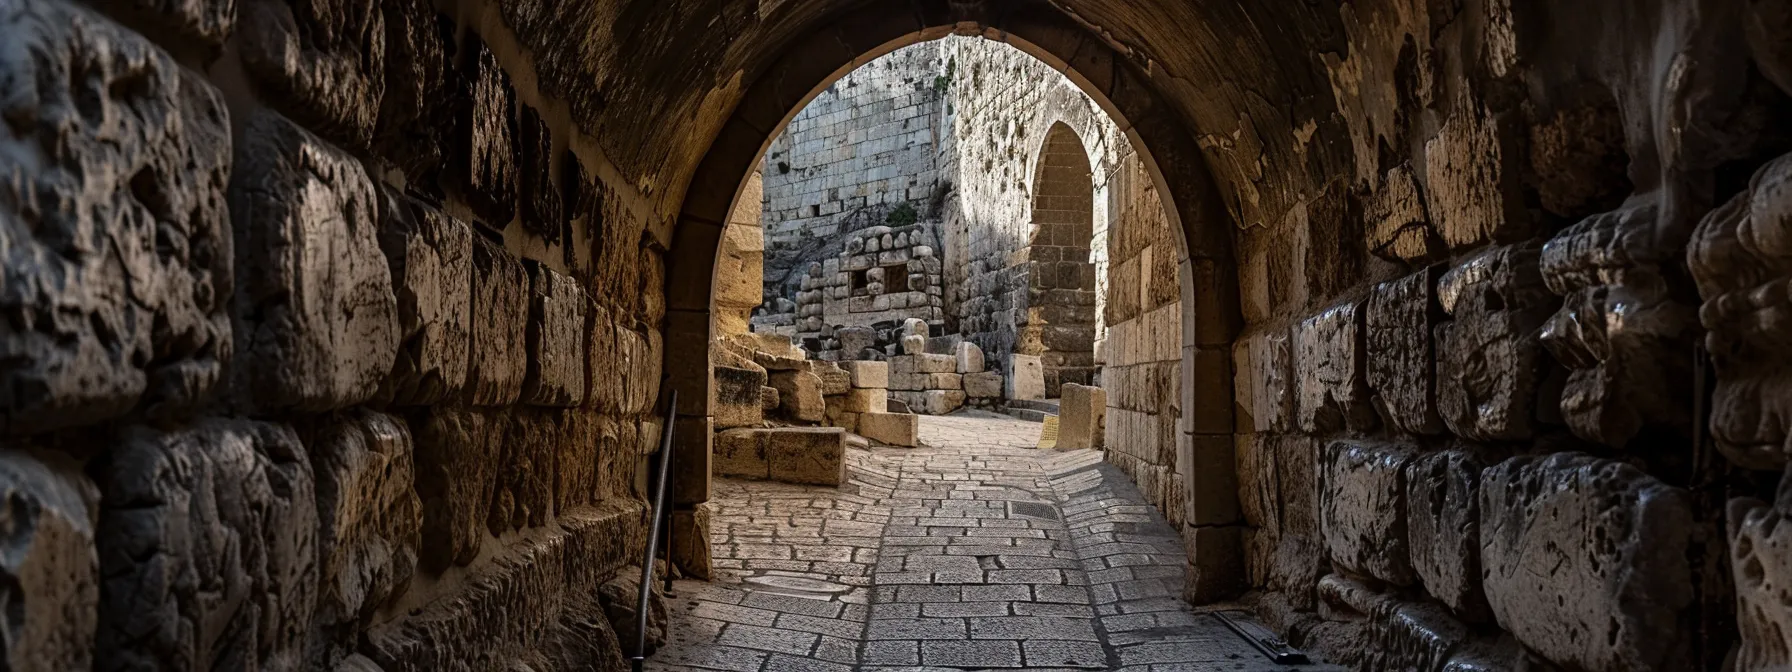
(975, 551)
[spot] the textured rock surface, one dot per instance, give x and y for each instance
(181, 23)
(896, 429)
(1026, 378)
(318, 320)
(1362, 505)
(1443, 529)
(738, 402)
(742, 452)
(1489, 362)
(542, 211)
(51, 566)
(484, 166)
(807, 455)
(986, 385)
(1399, 317)
(868, 375)
(417, 110)
(1585, 561)
(1760, 557)
(1329, 366)
(1472, 170)
(499, 358)
(430, 256)
(1268, 375)
(523, 492)
(370, 518)
(114, 256)
(1082, 411)
(322, 63)
(834, 380)
(799, 395)
(556, 339)
(211, 549)
(456, 460)
(1624, 326)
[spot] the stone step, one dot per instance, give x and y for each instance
(1041, 405)
(1029, 414)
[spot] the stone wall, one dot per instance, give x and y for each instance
(740, 263)
(1142, 370)
(325, 344)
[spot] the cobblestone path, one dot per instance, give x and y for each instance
(976, 551)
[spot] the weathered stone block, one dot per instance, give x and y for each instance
(415, 127)
(1616, 600)
(853, 340)
(370, 518)
(866, 401)
(985, 385)
(51, 565)
(799, 395)
(969, 357)
(1268, 371)
(1622, 330)
(1443, 529)
(1490, 365)
(179, 22)
(223, 508)
(768, 399)
(738, 402)
(834, 380)
(523, 491)
(914, 345)
(690, 540)
(1761, 564)
(115, 265)
(321, 63)
(1399, 318)
(1082, 411)
(908, 382)
(457, 453)
(896, 429)
(1329, 368)
(1739, 258)
(484, 166)
(1474, 181)
(430, 256)
(555, 339)
(318, 321)
(868, 375)
(808, 455)
(543, 211)
(1362, 508)
(1026, 378)
(640, 354)
(928, 402)
(1399, 228)
(499, 358)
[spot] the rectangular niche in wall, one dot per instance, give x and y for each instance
(896, 279)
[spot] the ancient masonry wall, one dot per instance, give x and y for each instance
(327, 346)
(1142, 367)
(740, 262)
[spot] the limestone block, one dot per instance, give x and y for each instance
(742, 453)
(1739, 257)
(856, 339)
(690, 540)
(1620, 331)
(1270, 374)
(834, 380)
(1443, 529)
(969, 357)
(895, 429)
(1615, 603)
(1489, 362)
(908, 381)
(1399, 318)
(1473, 170)
(1761, 563)
(941, 381)
(555, 340)
(1026, 378)
(927, 402)
(1329, 370)
(115, 270)
(221, 508)
(208, 22)
(867, 401)
(985, 385)
(799, 395)
(415, 128)
(640, 354)
(868, 375)
(1082, 413)
(318, 322)
(430, 256)
(499, 358)
(323, 64)
(780, 361)
(542, 210)
(915, 326)
(930, 363)
(738, 402)
(51, 566)
(584, 459)
(768, 399)
(523, 493)
(914, 345)
(1398, 227)
(483, 166)
(807, 455)
(370, 519)
(1363, 509)
(457, 453)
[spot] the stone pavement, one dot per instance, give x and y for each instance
(975, 551)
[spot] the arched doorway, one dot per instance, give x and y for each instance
(1212, 524)
(1058, 324)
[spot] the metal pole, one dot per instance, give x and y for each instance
(671, 462)
(653, 536)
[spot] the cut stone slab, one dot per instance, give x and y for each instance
(1266, 370)
(985, 385)
(1443, 529)
(868, 375)
(51, 564)
(807, 455)
(99, 117)
(1363, 511)
(690, 540)
(1400, 316)
(1331, 389)
(320, 63)
(741, 453)
(1026, 378)
(969, 357)
(928, 402)
(457, 453)
(896, 429)
(867, 401)
(1614, 604)
(914, 345)
(499, 358)
(1082, 413)
(370, 517)
(556, 339)
(738, 399)
(227, 500)
(430, 256)
(1490, 363)
(768, 399)
(922, 363)
(484, 161)
(318, 319)
(834, 380)
(799, 395)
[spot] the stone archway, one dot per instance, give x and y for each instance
(1059, 320)
(1169, 152)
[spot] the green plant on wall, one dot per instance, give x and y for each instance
(901, 215)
